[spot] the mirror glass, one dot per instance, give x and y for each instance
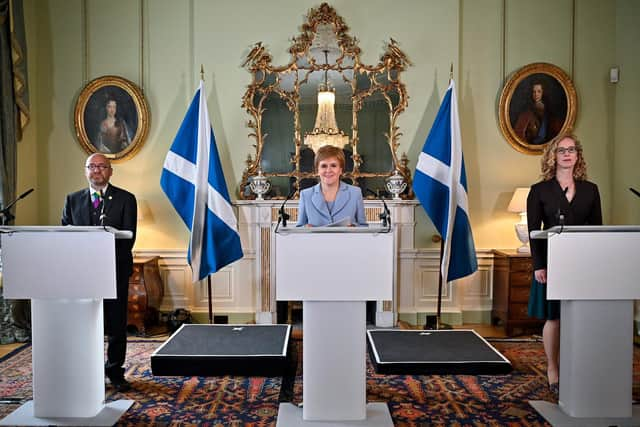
(283, 104)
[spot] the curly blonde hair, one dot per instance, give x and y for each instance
(548, 161)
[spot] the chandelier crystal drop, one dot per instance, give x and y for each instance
(325, 130)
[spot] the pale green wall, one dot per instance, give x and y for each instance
(625, 208)
(180, 35)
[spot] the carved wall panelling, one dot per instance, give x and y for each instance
(248, 285)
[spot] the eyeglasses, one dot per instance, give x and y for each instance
(563, 150)
(93, 167)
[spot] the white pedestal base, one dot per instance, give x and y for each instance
(377, 415)
(596, 358)
(558, 418)
(333, 360)
(68, 357)
(108, 416)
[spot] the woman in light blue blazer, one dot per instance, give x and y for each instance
(331, 200)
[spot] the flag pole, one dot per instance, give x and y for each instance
(209, 293)
(439, 309)
(210, 299)
(439, 324)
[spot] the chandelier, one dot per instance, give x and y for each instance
(325, 130)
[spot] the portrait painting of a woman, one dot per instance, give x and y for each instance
(110, 120)
(111, 117)
(113, 134)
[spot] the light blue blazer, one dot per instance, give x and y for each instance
(314, 210)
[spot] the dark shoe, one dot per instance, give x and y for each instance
(120, 384)
(555, 390)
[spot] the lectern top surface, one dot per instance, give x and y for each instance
(544, 234)
(120, 234)
(305, 230)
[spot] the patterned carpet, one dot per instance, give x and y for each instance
(441, 400)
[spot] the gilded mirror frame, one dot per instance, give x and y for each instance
(383, 78)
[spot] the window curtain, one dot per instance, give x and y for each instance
(14, 116)
(14, 94)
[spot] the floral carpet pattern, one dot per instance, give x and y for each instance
(438, 400)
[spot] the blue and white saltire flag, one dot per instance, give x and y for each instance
(193, 181)
(440, 182)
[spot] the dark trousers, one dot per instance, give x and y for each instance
(115, 328)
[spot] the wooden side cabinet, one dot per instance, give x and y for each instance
(145, 293)
(512, 275)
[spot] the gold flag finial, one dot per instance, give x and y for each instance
(451, 73)
(202, 72)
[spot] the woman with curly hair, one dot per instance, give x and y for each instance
(563, 197)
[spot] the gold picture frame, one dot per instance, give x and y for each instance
(112, 118)
(537, 103)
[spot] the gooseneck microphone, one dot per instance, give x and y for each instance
(283, 216)
(634, 191)
(560, 214)
(385, 215)
(5, 214)
(25, 194)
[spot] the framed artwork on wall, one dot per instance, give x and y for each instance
(111, 117)
(537, 103)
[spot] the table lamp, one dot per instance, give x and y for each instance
(518, 205)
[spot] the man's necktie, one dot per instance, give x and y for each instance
(96, 200)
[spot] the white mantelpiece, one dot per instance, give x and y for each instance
(256, 220)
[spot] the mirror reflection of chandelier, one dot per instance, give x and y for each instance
(325, 131)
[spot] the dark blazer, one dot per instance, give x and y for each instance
(545, 203)
(348, 204)
(120, 211)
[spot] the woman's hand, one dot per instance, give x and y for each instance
(541, 275)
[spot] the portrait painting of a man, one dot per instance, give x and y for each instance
(537, 103)
(538, 109)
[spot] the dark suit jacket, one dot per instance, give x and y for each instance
(121, 212)
(547, 200)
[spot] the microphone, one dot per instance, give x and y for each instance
(282, 215)
(6, 215)
(385, 216)
(25, 194)
(104, 202)
(634, 191)
(560, 218)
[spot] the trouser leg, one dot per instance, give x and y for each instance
(115, 321)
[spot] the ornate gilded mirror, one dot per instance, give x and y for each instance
(324, 95)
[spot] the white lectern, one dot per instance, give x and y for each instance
(594, 271)
(66, 272)
(334, 271)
